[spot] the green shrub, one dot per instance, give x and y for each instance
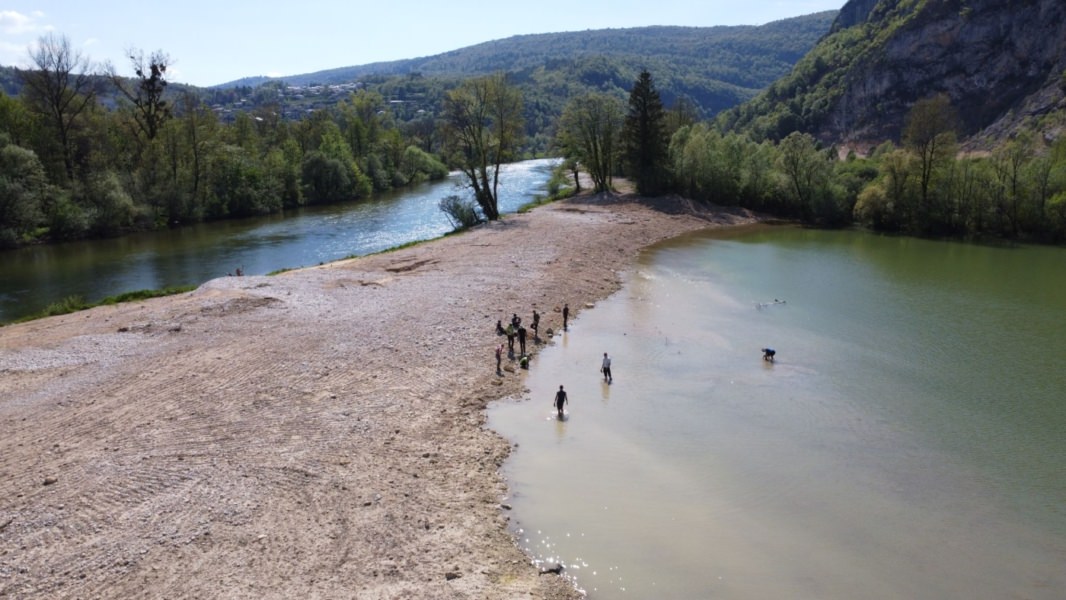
(462, 212)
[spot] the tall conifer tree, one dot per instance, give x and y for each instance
(644, 138)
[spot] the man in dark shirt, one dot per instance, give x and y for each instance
(560, 400)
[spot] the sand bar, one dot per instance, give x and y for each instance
(315, 434)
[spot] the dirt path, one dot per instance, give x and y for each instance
(316, 434)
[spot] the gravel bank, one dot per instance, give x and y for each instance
(319, 433)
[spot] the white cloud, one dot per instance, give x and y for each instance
(16, 23)
(12, 55)
(19, 30)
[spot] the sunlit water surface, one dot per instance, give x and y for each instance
(32, 278)
(909, 442)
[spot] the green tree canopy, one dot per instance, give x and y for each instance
(588, 132)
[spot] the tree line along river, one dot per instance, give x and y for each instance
(34, 277)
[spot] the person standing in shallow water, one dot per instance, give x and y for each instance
(522, 339)
(560, 400)
(566, 315)
(606, 368)
(536, 324)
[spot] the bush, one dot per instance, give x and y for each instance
(23, 187)
(462, 212)
(113, 209)
(67, 220)
(326, 180)
(418, 166)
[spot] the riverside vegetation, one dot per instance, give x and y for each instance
(918, 159)
(88, 155)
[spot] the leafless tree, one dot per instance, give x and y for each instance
(146, 93)
(483, 119)
(61, 87)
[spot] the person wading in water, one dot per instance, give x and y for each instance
(560, 400)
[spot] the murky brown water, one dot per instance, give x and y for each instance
(909, 441)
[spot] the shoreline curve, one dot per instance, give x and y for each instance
(321, 432)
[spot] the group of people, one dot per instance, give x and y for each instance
(515, 331)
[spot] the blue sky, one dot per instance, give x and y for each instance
(212, 42)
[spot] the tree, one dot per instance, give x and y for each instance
(150, 109)
(807, 171)
(898, 169)
(330, 173)
(1008, 161)
(360, 121)
(15, 120)
(684, 113)
(61, 88)
(483, 126)
(930, 134)
(198, 126)
(644, 142)
(23, 187)
(588, 129)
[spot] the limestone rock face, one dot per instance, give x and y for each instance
(999, 61)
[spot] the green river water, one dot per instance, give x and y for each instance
(909, 441)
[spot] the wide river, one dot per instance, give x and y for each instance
(908, 442)
(32, 278)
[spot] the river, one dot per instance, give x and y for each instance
(908, 442)
(34, 277)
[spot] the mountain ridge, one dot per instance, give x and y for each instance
(710, 51)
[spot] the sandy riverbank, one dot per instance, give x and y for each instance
(315, 434)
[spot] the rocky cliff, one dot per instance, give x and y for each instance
(1001, 62)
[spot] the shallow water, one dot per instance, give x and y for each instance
(909, 441)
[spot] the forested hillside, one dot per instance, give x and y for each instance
(923, 117)
(912, 85)
(746, 56)
(714, 67)
(85, 153)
